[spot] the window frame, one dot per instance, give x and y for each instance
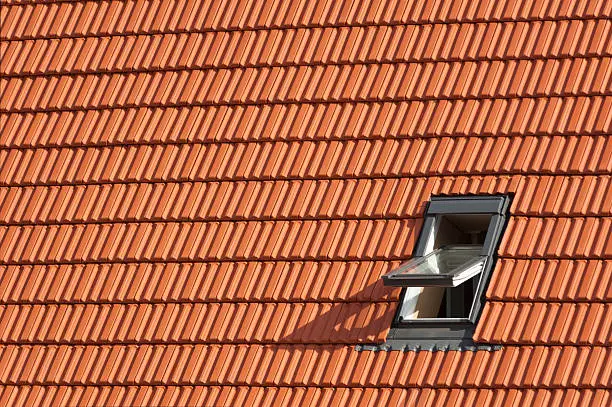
(454, 333)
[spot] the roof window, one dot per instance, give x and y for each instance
(445, 281)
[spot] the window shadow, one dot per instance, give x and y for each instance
(354, 320)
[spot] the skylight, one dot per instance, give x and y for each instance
(445, 281)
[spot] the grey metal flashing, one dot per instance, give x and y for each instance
(426, 347)
(467, 205)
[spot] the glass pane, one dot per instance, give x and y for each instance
(446, 260)
(448, 266)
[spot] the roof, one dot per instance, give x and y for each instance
(198, 198)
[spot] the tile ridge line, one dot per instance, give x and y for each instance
(568, 173)
(16, 343)
(348, 178)
(276, 302)
(157, 384)
(315, 102)
(171, 143)
(167, 262)
(301, 102)
(601, 17)
(298, 65)
(271, 260)
(347, 345)
(275, 219)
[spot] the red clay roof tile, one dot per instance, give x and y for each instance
(551, 280)
(332, 159)
(125, 17)
(481, 372)
(236, 86)
(538, 323)
(91, 127)
(228, 182)
(144, 241)
(556, 237)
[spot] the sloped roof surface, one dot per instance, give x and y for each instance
(198, 198)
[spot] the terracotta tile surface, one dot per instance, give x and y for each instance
(197, 323)
(513, 367)
(552, 280)
(198, 198)
(27, 18)
(546, 323)
(154, 241)
(220, 395)
(257, 282)
(333, 45)
(274, 395)
(310, 121)
(558, 237)
(308, 160)
(294, 199)
(359, 82)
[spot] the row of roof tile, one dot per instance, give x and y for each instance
(346, 240)
(330, 83)
(283, 240)
(352, 322)
(46, 396)
(337, 45)
(308, 160)
(348, 322)
(551, 195)
(306, 365)
(277, 281)
(295, 199)
(527, 116)
(281, 281)
(545, 323)
(561, 237)
(130, 16)
(551, 280)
